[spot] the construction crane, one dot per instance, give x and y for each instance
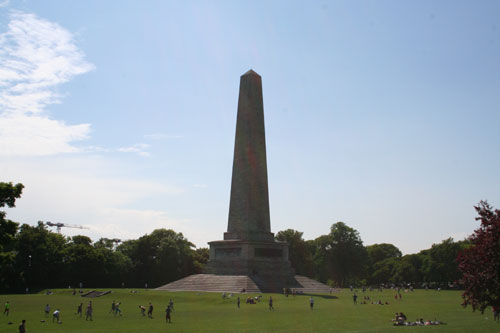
(60, 225)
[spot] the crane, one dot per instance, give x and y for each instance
(59, 225)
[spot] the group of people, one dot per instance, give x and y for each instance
(150, 310)
(254, 300)
(115, 308)
(400, 320)
(55, 315)
(293, 291)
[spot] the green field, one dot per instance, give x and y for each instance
(208, 312)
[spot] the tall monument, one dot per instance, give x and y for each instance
(249, 247)
(248, 257)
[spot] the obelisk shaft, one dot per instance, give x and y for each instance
(249, 205)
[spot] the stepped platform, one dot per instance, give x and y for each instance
(307, 285)
(94, 293)
(212, 282)
(238, 283)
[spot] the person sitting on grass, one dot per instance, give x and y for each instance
(250, 300)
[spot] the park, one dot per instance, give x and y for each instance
(209, 312)
(383, 116)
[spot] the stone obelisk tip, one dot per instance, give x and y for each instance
(251, 72)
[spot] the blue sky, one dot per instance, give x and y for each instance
(120, 115)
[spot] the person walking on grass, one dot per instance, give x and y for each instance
(22, 327)
(355, 298)
(7, 309)
(311, 302)
(168, 310)
(47, 310)
(117, 309)
(88, 312)
(112, 307)
(150, 310)
(171, 305)
(79, 310)
(271, 308)
(238, 302)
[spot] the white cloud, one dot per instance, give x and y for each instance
(4, 3)
(36, 56)
(83, 191)
(138, 148)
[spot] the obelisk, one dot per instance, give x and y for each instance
(249, 203)
(248, 258)
(249, 247)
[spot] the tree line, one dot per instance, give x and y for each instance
(340, 259)
(35, 257)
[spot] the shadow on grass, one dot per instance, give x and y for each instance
(318, 295)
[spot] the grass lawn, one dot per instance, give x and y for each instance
(208, 312)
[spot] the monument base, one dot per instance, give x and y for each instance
(266, 263)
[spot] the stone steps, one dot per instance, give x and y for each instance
(236, 283)
(308, 285)
(214, 283)
(94, 293)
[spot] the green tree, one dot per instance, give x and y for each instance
(158, 258)
(440, 264)
(40, 256)
(321, 248)
(8, 230)
(9, 193)
(379, 252)
(349, 256)
(83, 263)
(200, 259)
(408, 269)
(298, 252)
(383, 271)
(339, 256)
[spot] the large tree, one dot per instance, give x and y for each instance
(480, 263)
(40, 255)
(439, 262)
(379, 252)
(158, 258)
(8, 230)
(298, 251)
(339, 256)
(349, 256)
